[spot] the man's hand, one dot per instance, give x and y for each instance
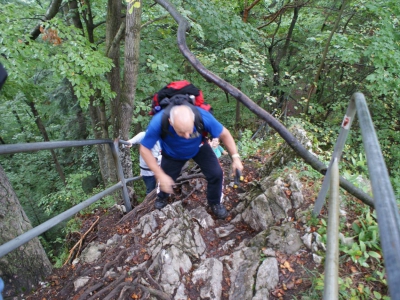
(236, 165)
(130, 145)
(230, 145)
(166, 183)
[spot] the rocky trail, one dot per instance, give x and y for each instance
(263, 250)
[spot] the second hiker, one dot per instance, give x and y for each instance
(183, 142)
(145, 172)
(217, 148)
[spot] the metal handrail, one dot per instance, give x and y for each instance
(384, 197)
(332, 244)
(36, 231)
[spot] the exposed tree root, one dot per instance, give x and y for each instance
(102, 292)
(114, 262)
(92, 289)
(140, 282)
(131, 287)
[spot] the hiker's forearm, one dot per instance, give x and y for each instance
(228, 141)
(230, 144)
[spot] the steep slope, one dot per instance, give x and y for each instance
(182, 252)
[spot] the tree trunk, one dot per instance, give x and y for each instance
(21, 126)
(45, 136)
(22, 268)
(132, 45)
(50, 13)
(113, 24)
(71, 10)
(103, 151)
(281, 53)
(97, 112)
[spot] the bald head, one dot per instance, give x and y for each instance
(182, 119)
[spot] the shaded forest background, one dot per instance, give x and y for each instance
(87, 69)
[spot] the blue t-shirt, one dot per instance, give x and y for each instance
(178, 147)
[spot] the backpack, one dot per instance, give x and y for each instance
(178, 93)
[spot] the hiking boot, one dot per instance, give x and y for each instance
(160, 203)
(219, 210)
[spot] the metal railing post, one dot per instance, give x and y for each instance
(120, 174)
(337, 153)
(331, 288)
(385, 201)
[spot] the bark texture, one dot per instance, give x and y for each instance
(132, 45)
(50, 13)
(24, 267)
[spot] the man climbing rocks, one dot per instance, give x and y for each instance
(184, 142)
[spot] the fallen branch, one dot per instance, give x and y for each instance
(79, 243)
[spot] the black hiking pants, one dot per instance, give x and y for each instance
(209, 165)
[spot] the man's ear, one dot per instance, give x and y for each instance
(169, 120)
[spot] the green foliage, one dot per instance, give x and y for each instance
(71, 195)
(309, 173)
(64, 199)
(395, 180)
(367, 230)
(56, 250)
(364, 250)
(247, 146)
(80, 63)
(61, 53)
(73, 225)
(316, 285)
(351, 290)
(262, 257)
(383, 53)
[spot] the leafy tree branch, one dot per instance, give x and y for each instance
(251, 105)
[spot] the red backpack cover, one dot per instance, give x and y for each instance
(182, 87)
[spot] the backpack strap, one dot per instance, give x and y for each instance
(198, 119)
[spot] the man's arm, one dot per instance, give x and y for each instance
(136, 139)
(230, 145)
(166, 182)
